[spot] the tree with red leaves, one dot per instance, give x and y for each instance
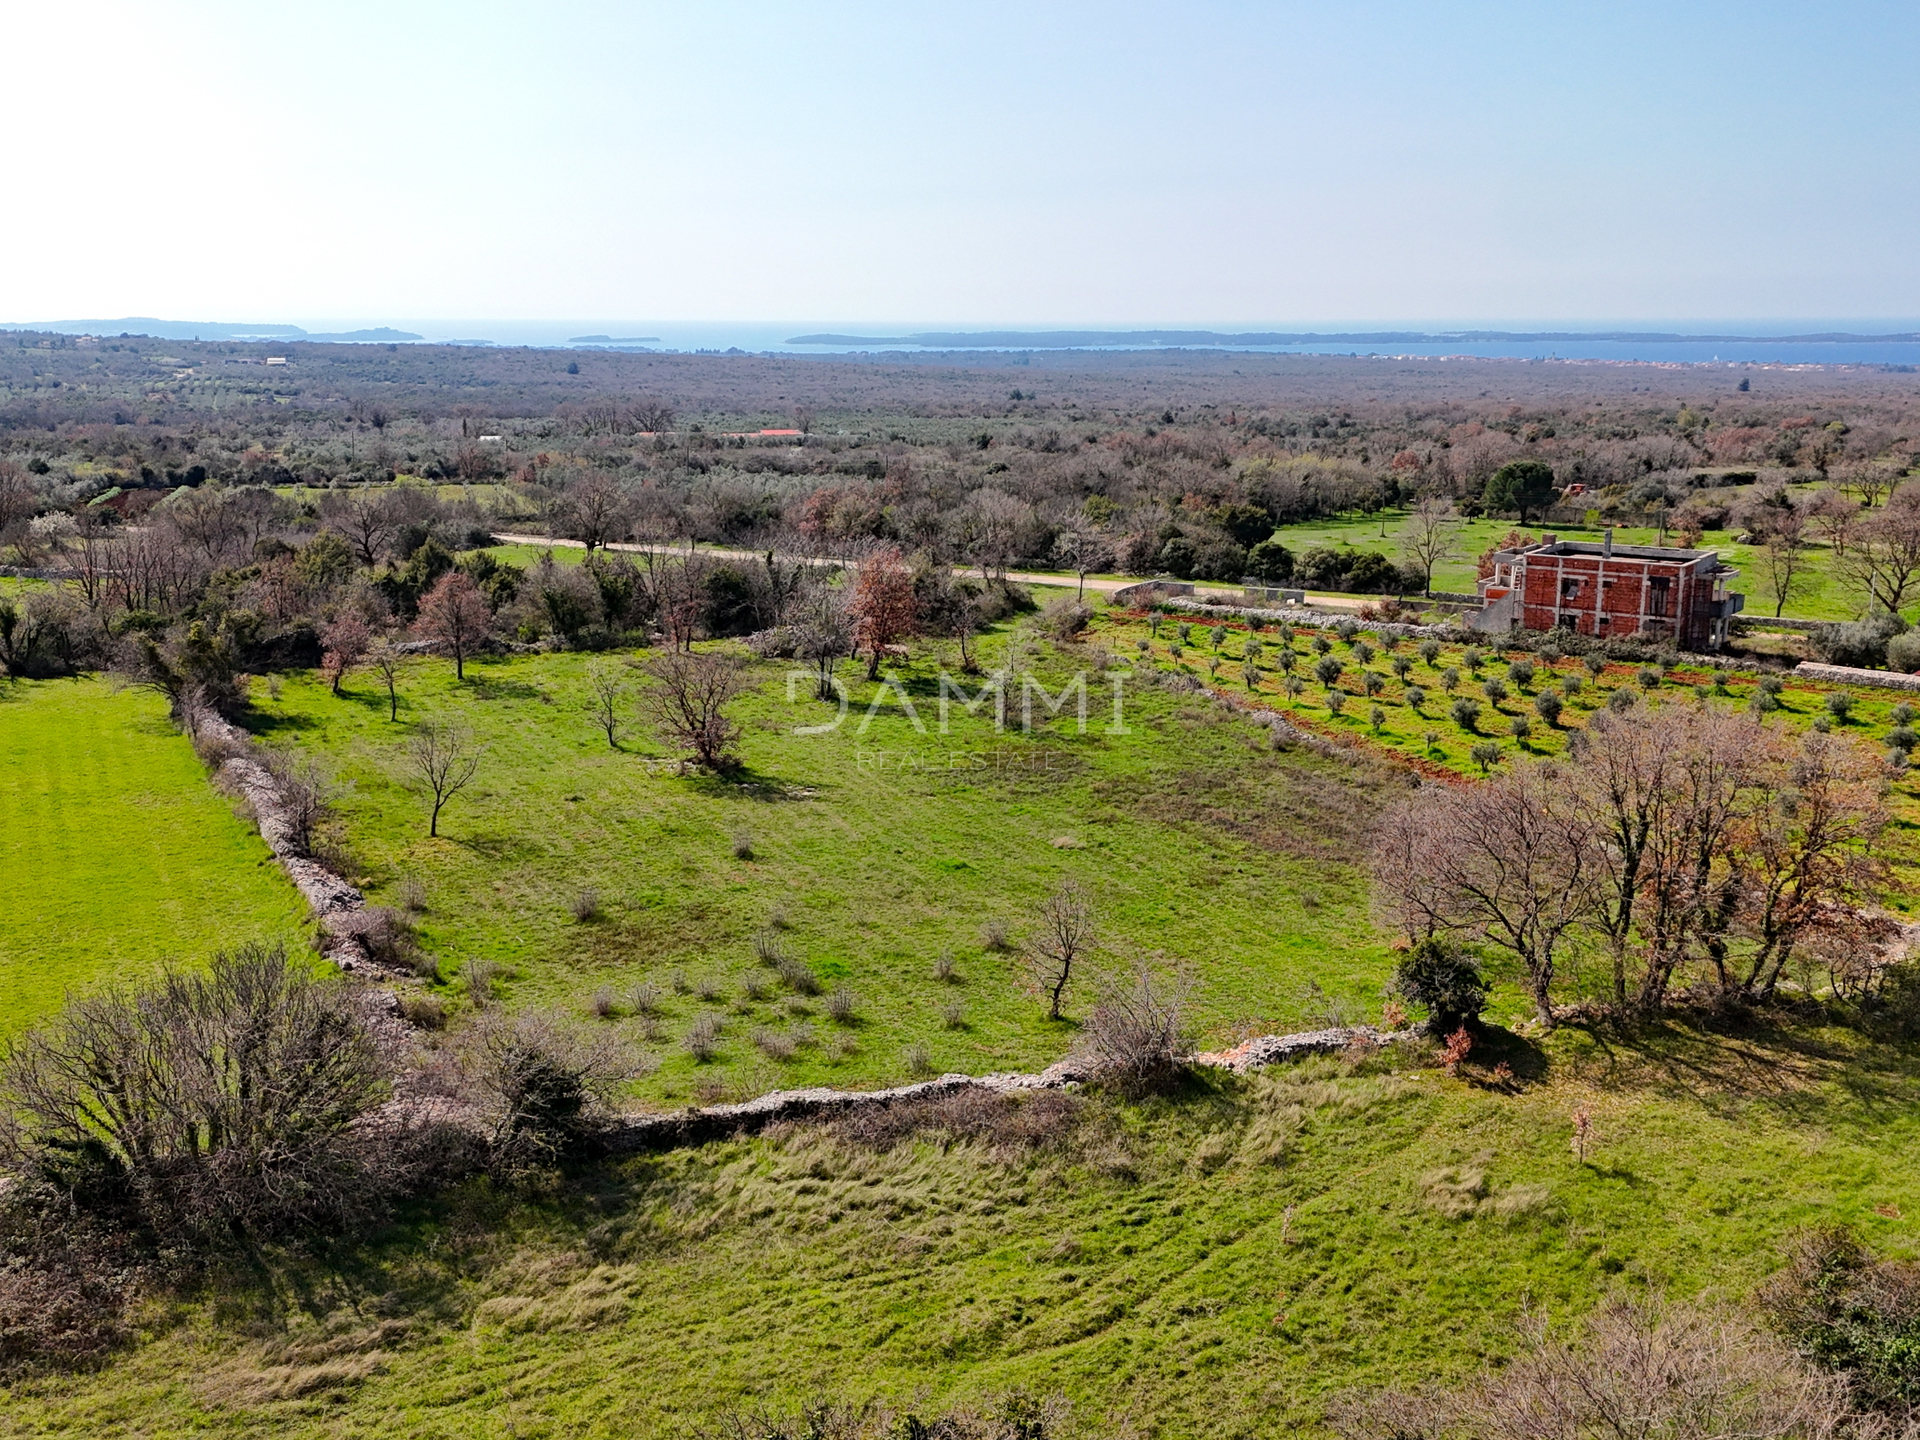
(344, 641)
(884, 606)
(454, 618)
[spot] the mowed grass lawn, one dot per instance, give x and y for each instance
(870, 852)
(116, 852)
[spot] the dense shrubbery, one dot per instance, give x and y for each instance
(204, 1105)
(1445, 982)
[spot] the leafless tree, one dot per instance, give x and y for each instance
(1804, 861)
(389, 662)
(594, 510)
(454, 617)
(88, 552)
(17, 498)
(366, 519)
(1508, 861)
(305, 795)
(1834, 515)
(547, 1081)
(1080, 548)
(688, 702)
(803, 419)
(1870, 480)
(1064, 933)
(1431, 536)
(345, 640)
(1668, 790)
(986, 527)
(1884, 558)
(1780, 526)
(444, 758)
(606, 693)
(651, 415)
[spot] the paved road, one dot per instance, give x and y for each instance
(1025, 577)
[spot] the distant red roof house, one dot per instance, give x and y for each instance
(1606, 589)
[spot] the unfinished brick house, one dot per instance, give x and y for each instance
(1606, 589)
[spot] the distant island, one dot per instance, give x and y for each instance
(1080, 339)
(613, 339)
(147, 326)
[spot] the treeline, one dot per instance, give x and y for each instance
(1169, 465)
(1679, 855)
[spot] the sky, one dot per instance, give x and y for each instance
(882, 165)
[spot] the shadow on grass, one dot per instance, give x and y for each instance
(260, 723)
(1807, 1068)
(486, 687)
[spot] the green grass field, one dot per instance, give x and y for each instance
(876, 852)
(117, 854)
(1220, 1265)
(1817, 595)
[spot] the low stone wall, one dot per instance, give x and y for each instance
(695, 1126)
(1148, 591)
(337, 906)
(1849, 675)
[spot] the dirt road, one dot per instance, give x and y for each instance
(1099, 585)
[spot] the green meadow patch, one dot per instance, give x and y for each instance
(116, 852)
(1219, 1264)
(897, 862)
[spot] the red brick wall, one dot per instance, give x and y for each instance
(1624, 603)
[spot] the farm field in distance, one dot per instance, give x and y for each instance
(120, 856)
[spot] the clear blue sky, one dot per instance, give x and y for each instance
(979, 163)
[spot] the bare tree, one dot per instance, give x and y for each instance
(444, 758)
(606, 692)
(1431, 536)
(1064, 933)
(389, 661)
(1667, 789)
(1804, 862)
(1508, 861)
(823, 633)
(1835, 516)
(345, 640)
(652, 416)
(884, 606)
(1080, 548)
(366, 519)
(688, 702)
(1780, 526)
(1870, 480)
(1884, 558)
(1654, 1372)
(594, 510)
(548, 1082)
(87, 552)
(1136, 1038)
